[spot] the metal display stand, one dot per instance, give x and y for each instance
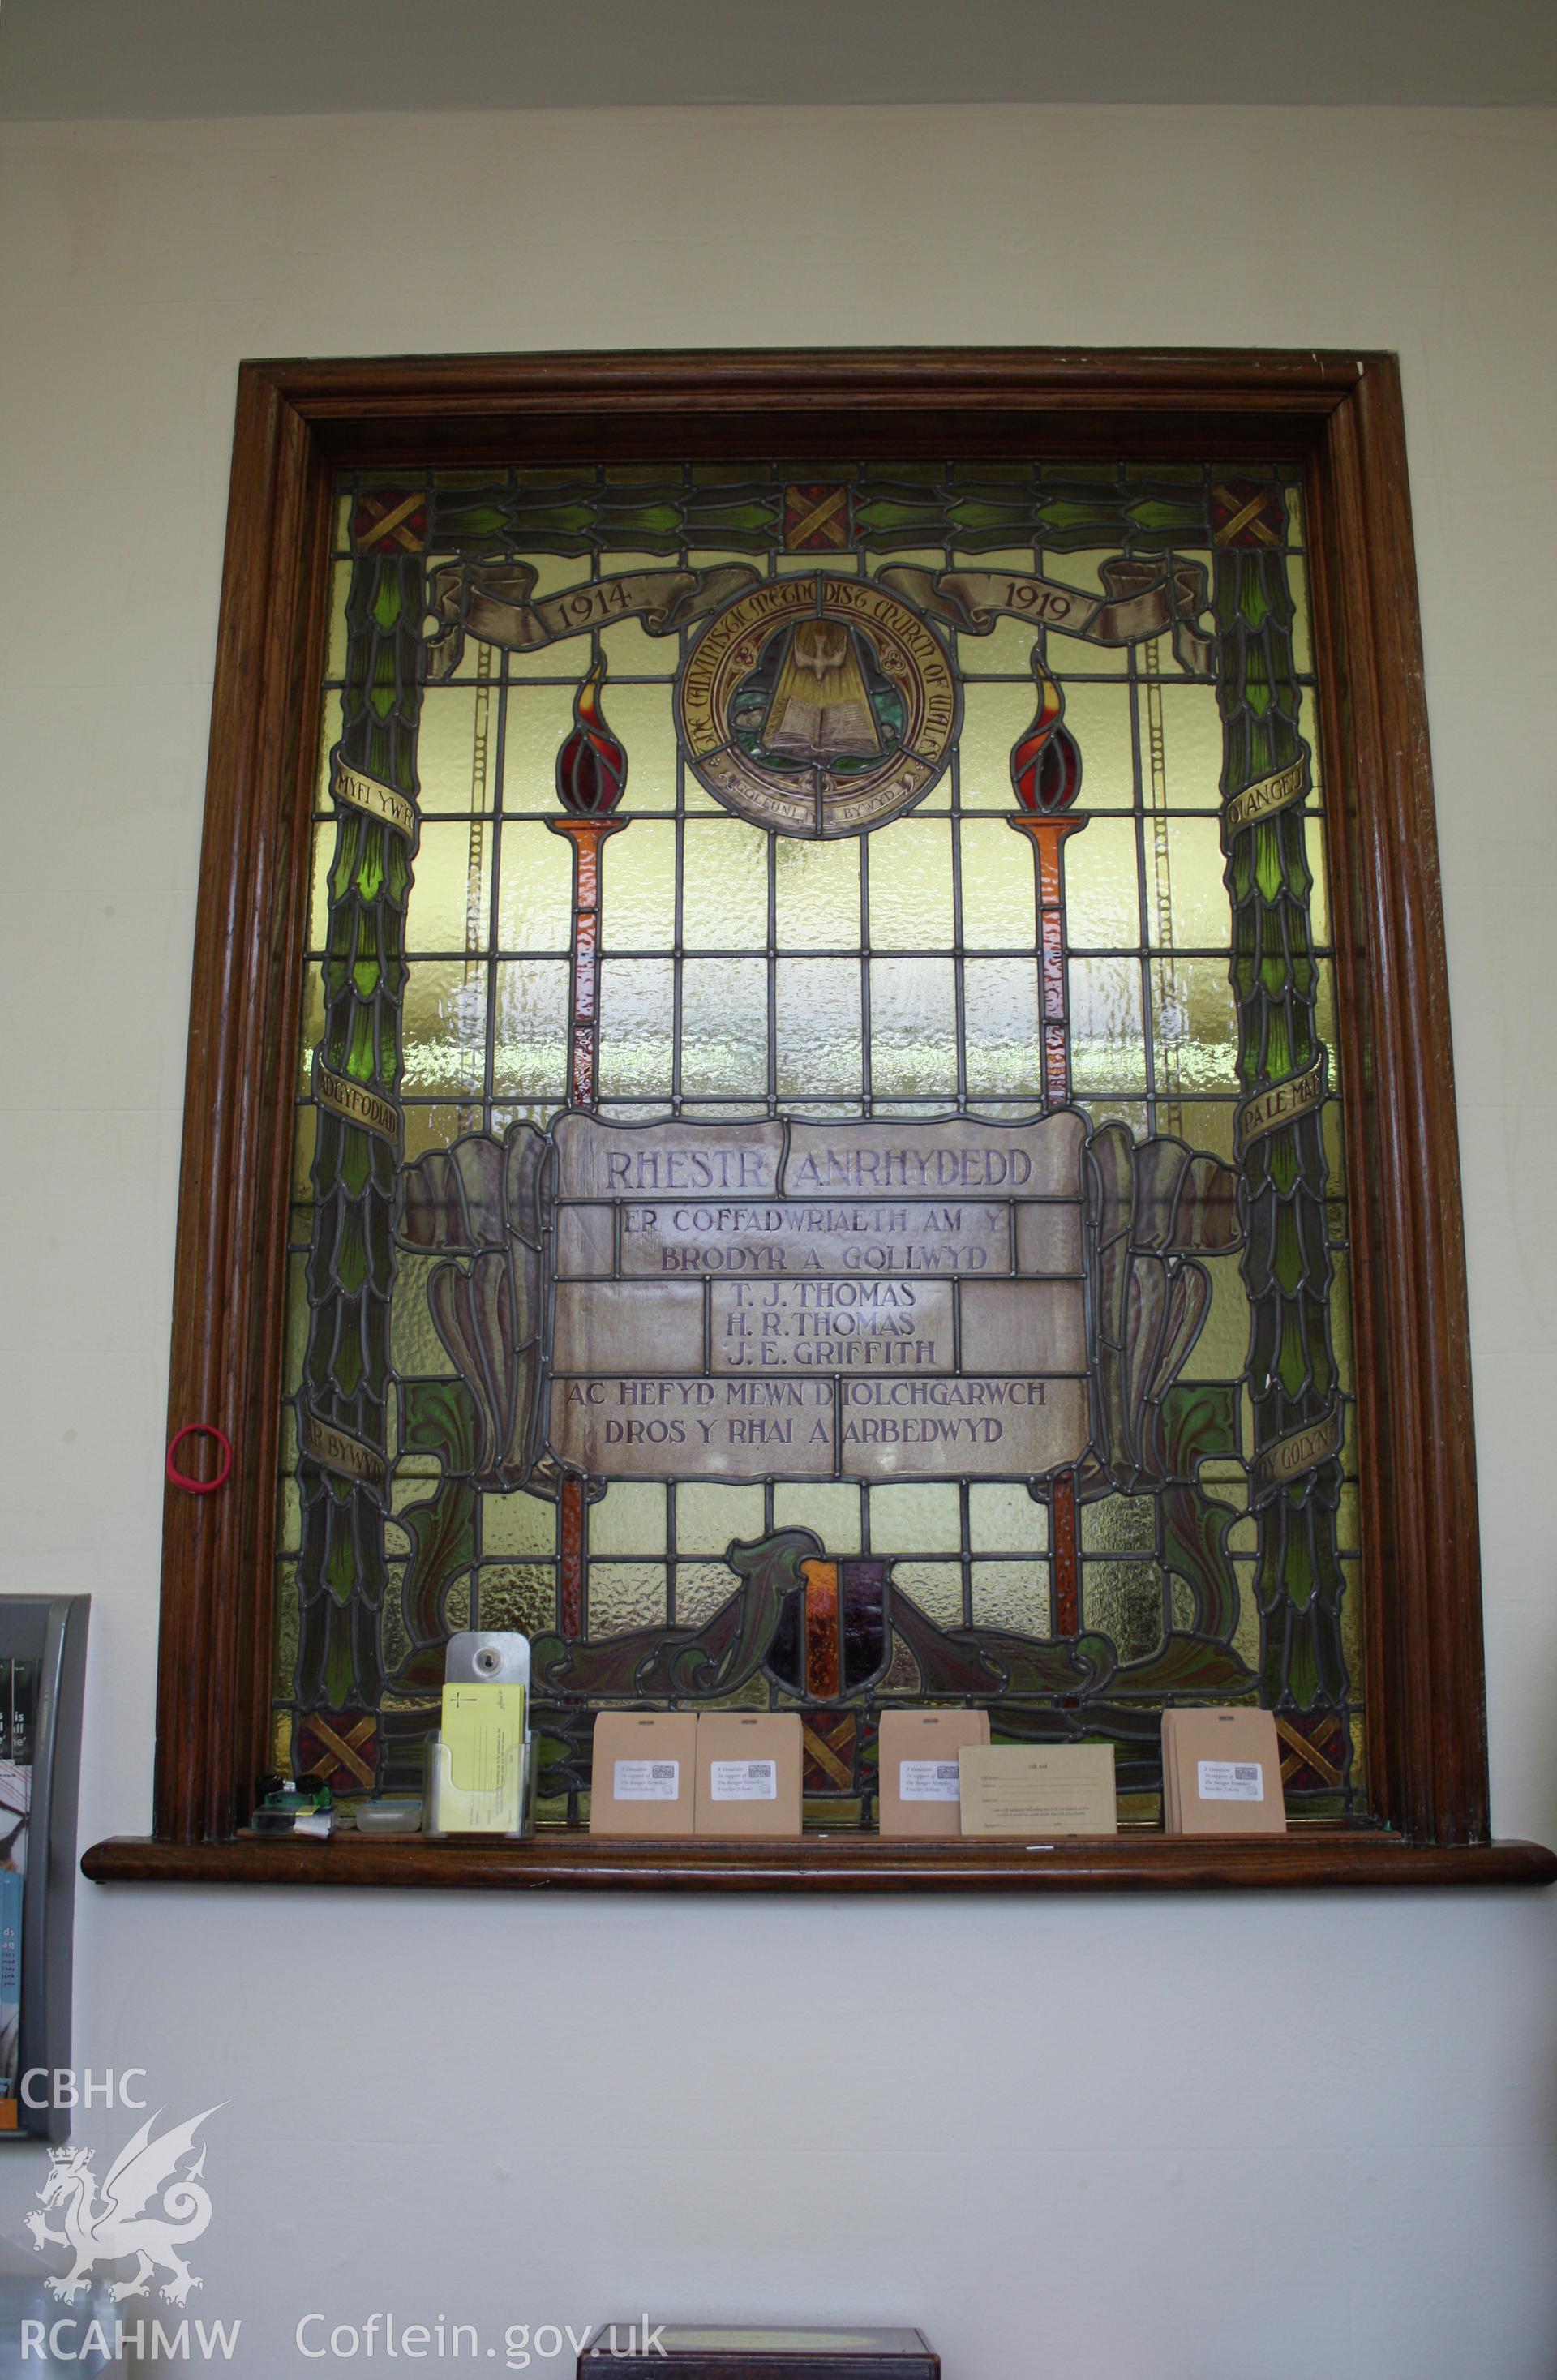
(48, 1632)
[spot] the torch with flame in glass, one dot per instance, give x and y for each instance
(1046, 778)
(591, 779)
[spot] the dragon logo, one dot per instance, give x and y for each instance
(126, 2219)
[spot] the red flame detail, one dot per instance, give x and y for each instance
(591, 766)
(1046, 761)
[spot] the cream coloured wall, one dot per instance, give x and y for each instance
(1181, 2139)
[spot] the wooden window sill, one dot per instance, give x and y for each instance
(1137, 1861)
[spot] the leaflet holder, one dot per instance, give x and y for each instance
(43, 1674)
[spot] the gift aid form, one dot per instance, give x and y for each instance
(858, 1300)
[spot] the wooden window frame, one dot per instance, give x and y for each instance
(1339, 417)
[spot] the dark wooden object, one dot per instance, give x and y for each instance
(1339, 415)
(706, 2352)
(729, 2353)
(1133, 1862)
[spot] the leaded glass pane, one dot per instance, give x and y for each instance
(818, 1042)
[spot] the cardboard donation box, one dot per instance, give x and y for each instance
(749, 1773)
(921, 1779)
(1221, 1773)
(1062, 1789)
(643, 1780)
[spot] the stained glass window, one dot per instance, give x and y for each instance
(817, 1176)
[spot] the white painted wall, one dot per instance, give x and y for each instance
(1186, 2140)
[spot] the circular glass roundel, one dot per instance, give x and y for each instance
(817, 706)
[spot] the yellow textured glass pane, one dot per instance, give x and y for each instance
(1099, 717)
(335, 636)
(817, 891)
(909, 864)
(1005, 652)
(456, 748)
(539, 717)
(1318, 909)
(287, 1624)
(998, 896)
(450, 904)
(1193, 1025)
(1209, 1124)
(329, 736)
(626, 1596)
(1119, 1524)
(305, 1134)
(1011, 1595)
(530, 1051)
(415, 1347)
(630, 649)
(725, 887)
(1336, 1160)
(1102, 895)
(640, 717)
(428, 1124)
(1001, 1005)
(518, 1525)
(1004, 1519)
(1247, 1634)
(993, 718)
(817, 1025)
(912, 1028)
(1341, 1323)
(295, 1338)
(1221, 1349)
(1302, 651)
(1131, 1113)
(1187, 903)
(723, 1025)
(1307, 728)
(638, 888)
(935, 1587)
(319, 883)
(1348, 1525)
(444, 1029)
(1191, 727)
(1123, 1599)
(710, 1518)
(1006, 557)
(289, 1525)
(1073, 656)
(1107, 1037)
(917, 1518)
(570, 656)
(535, 888)
(517, 1594)
(1324, 1019)
(637, 1007)
(829, 1510)
(629, 1519)
(701, 1587)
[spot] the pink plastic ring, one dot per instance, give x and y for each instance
(181, 1478)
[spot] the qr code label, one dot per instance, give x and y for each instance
(1231, 1780)
(743, 1780)
(648, 1781)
